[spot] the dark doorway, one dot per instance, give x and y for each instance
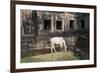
(58, 25)
(71, 24)
(82, 24)
(47, 24)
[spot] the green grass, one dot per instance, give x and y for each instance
(58, 56)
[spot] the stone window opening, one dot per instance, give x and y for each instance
(71, 24)
(47, 24)
(58, 25)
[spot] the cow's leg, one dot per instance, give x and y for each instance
(51, 48)
(54, 48)
(65, 47)
(61, 46)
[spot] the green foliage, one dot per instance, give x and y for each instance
(83, 39)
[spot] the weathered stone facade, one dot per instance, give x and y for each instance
(40, 26)
(46, 21)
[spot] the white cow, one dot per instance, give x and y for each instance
(58, 40)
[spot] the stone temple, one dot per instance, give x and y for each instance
(37, 27)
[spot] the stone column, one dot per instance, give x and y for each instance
(63, 24)
(52, 23)
(75, 24)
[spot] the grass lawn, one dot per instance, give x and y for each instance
(58, 56)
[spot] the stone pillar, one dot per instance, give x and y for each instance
(22, 27)
(75, 24)
(63, 24)
(52, 23)
(68, 24)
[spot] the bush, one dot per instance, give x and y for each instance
(83, 39)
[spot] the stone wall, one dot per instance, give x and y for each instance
(35, 32)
